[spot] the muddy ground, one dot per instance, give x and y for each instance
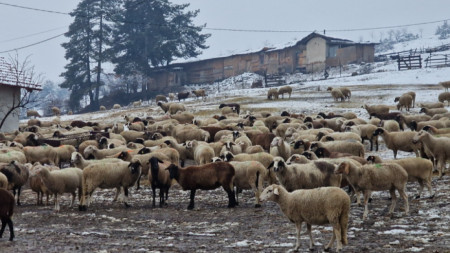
(212, 227)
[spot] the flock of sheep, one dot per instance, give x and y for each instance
(306, 159)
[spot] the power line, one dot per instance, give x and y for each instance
(33, 44)
(33, 34)
(244, 30)
(34, 9)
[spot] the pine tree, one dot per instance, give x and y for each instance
(90, 34)
(443, 31)
(153, 33)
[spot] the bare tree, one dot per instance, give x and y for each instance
(19, 73)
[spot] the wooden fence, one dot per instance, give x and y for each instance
(437, 61)
(409, 62)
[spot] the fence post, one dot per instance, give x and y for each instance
(420, 61)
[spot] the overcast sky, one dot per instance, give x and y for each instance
(292, 15)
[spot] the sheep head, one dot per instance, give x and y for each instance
(216, 159)
(135, 167)
(270, 193)
(173, 171)
(378, 131)
(419, 136)
(276, 142)
(227, 156)
(343, 168)
(295, 158)
(278, 164)
(309, 155)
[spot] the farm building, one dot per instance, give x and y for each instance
(313, 53)
(11, 85)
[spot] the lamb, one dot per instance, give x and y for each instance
(164, 106)
(236, 107)
(108, 175)
(159, 178)
(279, 147)
(379, 177)
(304, 176)
(398, 141)
(272, 94)
(285, 89)
(445, 84)
(174, 108)
(444, 96)
(336, 93)
(418, 169)
(62, 181)
(33, 113)
(203, 153)
(432, 112)
(36, 183)
(354, 148)
(404, 100)
(250, 175)
(159, 98)
(137, 103)
(17, 175)
(6, 212)
(199, 93)
(116, 106)
(326, 205)
(172, 96)
(182, 95)
(432, 105)
(347, 92)
(205, 177)
(438, 146)
(56, 111)
(376, 109)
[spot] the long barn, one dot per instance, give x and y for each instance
(313, 53)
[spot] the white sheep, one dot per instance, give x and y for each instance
(438, 146)
(398, 141)
(202, 152)
(278, 147)
(325, 205)
(305, 176)
(379, 177)
(62, 181)
(108, 175)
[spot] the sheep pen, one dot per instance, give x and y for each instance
(213, 227)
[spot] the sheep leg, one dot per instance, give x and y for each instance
(4, 221)
(138, 184)
(161, 197)
(393, 201)
(11, 229)
(117, 194)
(298, 227)
(311, 239)
(73, 199)
(336, 236)
(237, 195)
(402, 192)
(428, 183)
(440, 167)
(420, 189)
(154, 195)
(366, 204)
(231, 199)
(395, 153)
(256, 189)
(18, 195)
(125, 190)
(56, 203)
(191, 203)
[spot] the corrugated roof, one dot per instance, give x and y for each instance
(9, 77)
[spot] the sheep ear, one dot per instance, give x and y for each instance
(160, 161)
(275, 191)
(270, 165)
(347, 169)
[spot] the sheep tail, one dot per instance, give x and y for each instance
(257, 179)
(343, 222)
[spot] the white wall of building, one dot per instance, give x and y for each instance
(8, 95)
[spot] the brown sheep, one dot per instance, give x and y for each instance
(285, 89)
(199, 93)
(6, 212)
(272, 93)
(205, 177)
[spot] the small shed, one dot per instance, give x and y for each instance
(11, 84)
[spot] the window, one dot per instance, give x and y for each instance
(332, 50)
